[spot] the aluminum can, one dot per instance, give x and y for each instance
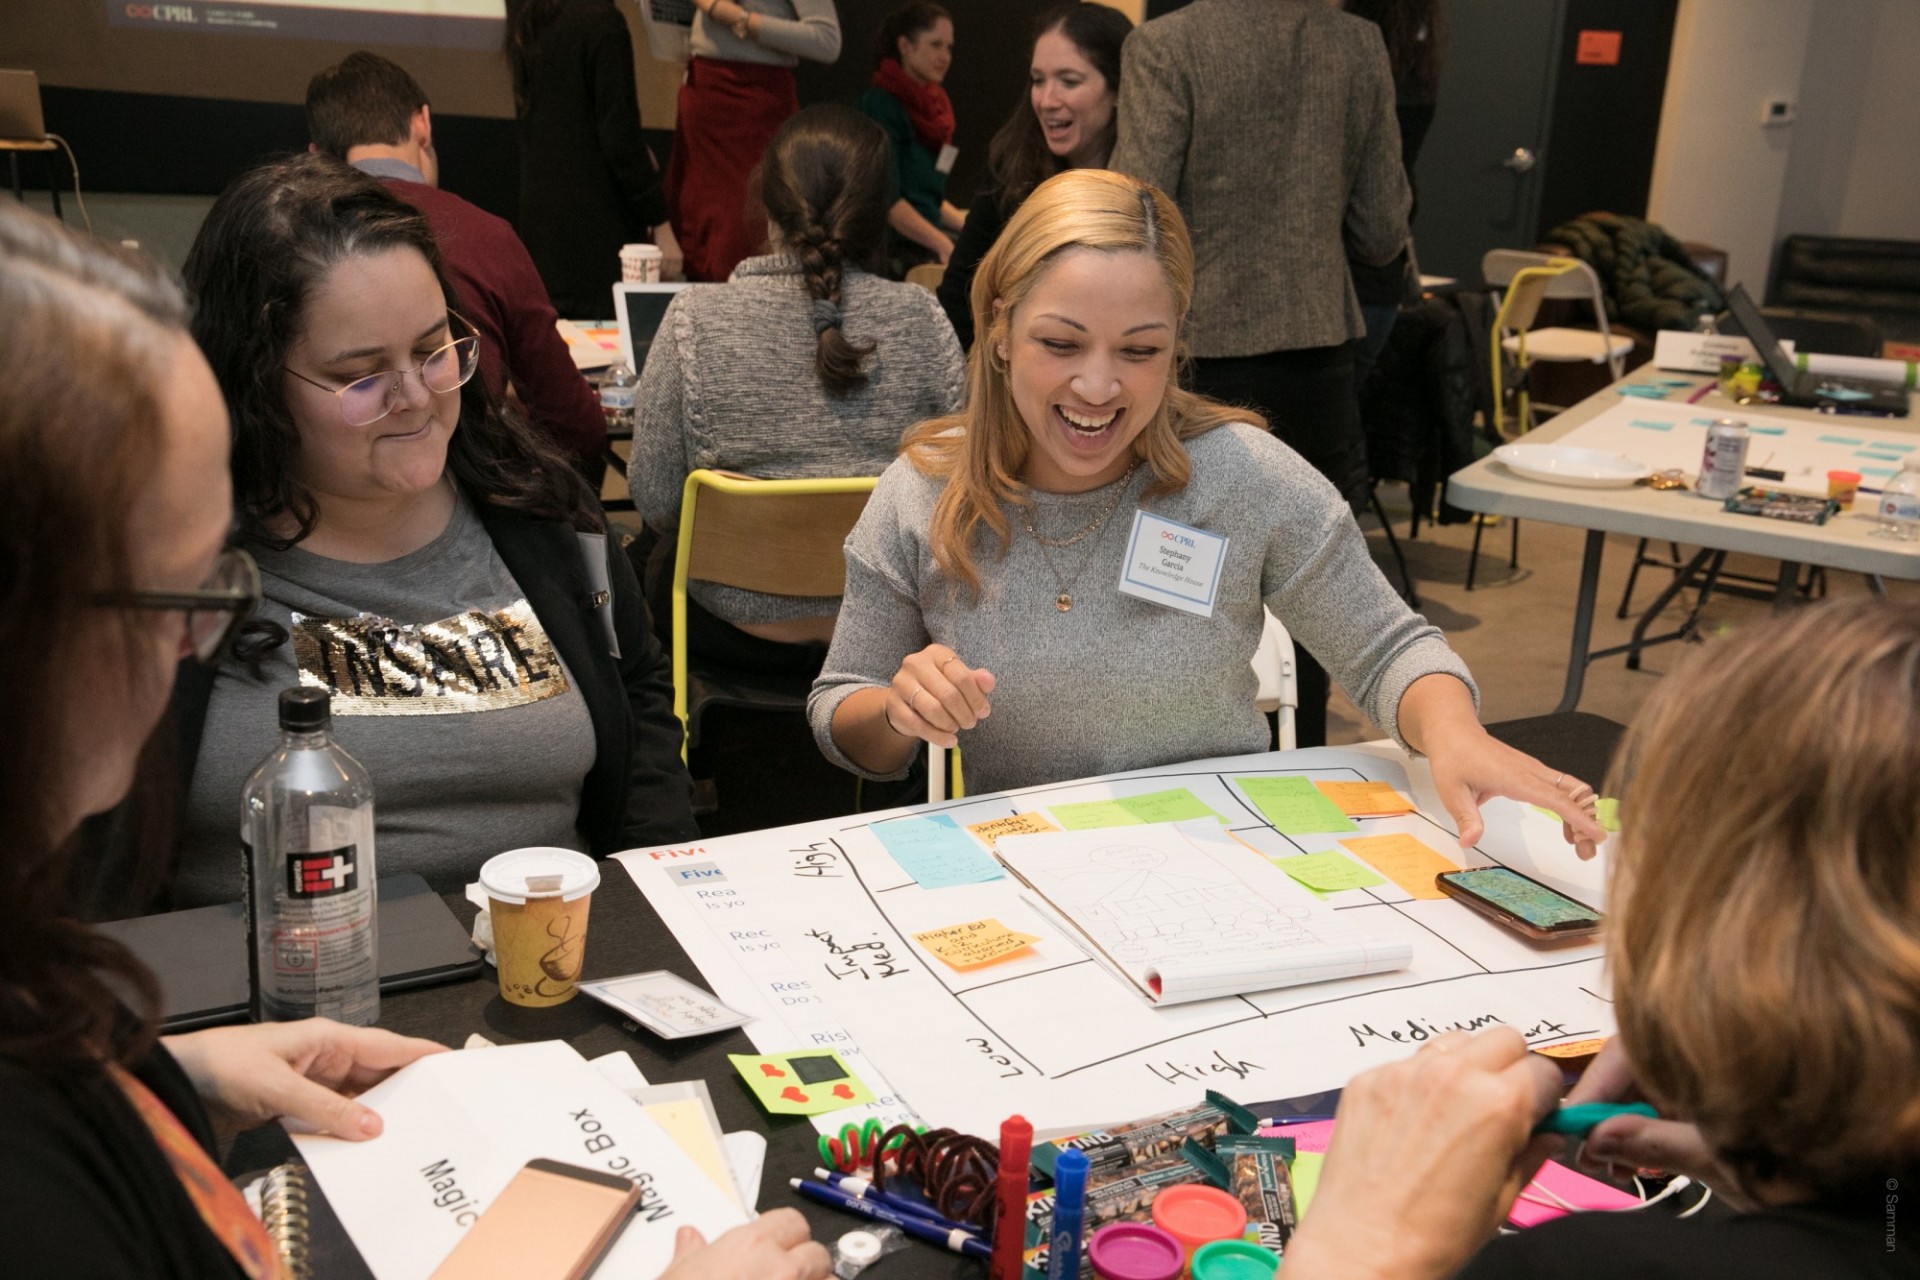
(1723, 467)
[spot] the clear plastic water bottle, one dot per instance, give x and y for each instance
(617, 395)
(307, 848)
(1900, 503)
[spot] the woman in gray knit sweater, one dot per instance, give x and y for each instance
(803, 365)
(1072, 572)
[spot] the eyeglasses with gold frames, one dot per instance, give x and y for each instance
(365, 401)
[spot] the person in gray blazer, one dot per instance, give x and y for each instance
(1271, 124)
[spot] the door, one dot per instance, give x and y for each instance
(1483, 165)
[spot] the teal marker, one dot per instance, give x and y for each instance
(1578, 1120)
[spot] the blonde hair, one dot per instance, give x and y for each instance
(1765, 927)
(981, 450)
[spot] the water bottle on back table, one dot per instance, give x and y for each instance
(1899, 508)
(307, 850)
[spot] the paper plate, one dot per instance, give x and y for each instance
(1564, 464)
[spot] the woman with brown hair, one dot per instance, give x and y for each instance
(114, 567)
(911, 54)
(994, 586)
(806, 364)
(1764, 936)
(1065, 120)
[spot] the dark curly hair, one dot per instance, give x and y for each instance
(824, 182)
(269, 240)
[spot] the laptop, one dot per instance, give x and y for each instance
(1832, 393)
(200, 956)
(638, 310)
(20, 119)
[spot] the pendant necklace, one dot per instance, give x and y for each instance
(1063, 602)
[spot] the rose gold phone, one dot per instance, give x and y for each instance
(554, 1221)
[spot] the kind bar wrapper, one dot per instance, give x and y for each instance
(1120, 1147)
(1259, 1178)
(1125, 1197)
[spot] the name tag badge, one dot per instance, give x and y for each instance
(1172, 564)
(948, 154)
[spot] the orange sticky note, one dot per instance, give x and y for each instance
(1572, 1049)
(976, 943)
(1366, 799)
(1403, 860)
(1018, 825)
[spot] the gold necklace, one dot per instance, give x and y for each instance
(1064, 601)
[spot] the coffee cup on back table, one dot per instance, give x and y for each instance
(640, 263)
(538, 900)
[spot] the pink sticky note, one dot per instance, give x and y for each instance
(1536, 1206)
(1312, 1136)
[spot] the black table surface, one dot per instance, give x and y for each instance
(625, 936)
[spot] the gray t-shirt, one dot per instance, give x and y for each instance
(445, 686)
(1119, 683)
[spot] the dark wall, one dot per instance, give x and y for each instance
(1606, 119)
(988, 79)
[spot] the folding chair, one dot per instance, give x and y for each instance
(1530, 279)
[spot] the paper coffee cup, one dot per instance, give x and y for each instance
(640, 263)
(538, 900)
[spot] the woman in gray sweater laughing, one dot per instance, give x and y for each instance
(1072, 572)
(803, 366)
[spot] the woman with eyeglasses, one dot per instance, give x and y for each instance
(423, 557)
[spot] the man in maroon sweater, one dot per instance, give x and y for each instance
(370, 113)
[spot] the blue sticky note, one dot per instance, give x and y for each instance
(1882, 472)
(1651, 425)
(1768, 431)
(1852, 442)
(936, 852)
(1672, 382)
(1642, 391)
(1877, 457)
(1707, 422)
(1884, 447)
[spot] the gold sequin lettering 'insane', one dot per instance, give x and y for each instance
(473, 661)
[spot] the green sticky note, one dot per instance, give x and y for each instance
(1328, 872)
(1606, 811)
(1177, 805)
(1089, 814)
(1306, 1178)
(800, 1084)
(1295, 806)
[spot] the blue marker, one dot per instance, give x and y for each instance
(954, 1241)
(1579, 1119)
(1069, 1213)
(865, 1189)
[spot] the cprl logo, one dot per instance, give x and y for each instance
(162, 13)
(1179, 539)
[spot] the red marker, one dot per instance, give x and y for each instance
(1010, 1228)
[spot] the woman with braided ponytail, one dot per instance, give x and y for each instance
(806, 364)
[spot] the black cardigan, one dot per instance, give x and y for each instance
(637, 793)
(89, 1193)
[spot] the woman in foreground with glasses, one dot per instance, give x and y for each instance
(422, 558)
(112, 523)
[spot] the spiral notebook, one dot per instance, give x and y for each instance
(1184, 911)
(302, 1225)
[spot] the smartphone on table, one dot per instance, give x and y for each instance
(554, 1221)
(1520, 902)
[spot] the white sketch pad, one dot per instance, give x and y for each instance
(1667, 434)
(1051, 1034)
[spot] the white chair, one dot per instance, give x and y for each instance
(1279, 680)
(1277, 690)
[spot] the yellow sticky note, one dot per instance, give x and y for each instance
(1017, 825)
(685, 1120)
(1366, 799)
(1606, 811)
(1403, 860)
(1306, 1178)
(976, 943)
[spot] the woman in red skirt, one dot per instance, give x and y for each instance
(739, 90)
